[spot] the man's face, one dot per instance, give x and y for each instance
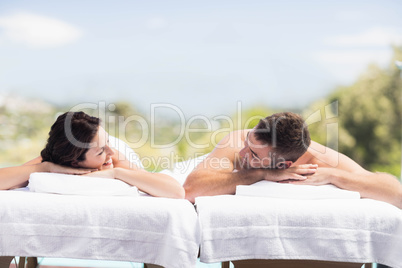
(255, 153)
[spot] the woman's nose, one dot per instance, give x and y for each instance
(109, 150)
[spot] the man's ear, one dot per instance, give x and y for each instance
(284, 164)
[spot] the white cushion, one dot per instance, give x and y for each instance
(293, 191)
(83, 185)
(56, 183)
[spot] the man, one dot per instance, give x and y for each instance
(279, 149)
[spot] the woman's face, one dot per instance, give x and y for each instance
(99, 156)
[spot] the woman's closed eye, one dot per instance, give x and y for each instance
(101, 152)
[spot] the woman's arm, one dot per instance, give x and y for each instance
(155, 184)
(16, 177)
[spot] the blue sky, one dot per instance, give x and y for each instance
(202, 56)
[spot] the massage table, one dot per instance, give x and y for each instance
(142, 229)
(252, 231)
(295, 226)
(82, 222)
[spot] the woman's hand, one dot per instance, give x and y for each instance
(294, 173)
(55, 168)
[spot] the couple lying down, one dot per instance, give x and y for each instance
(277, 149)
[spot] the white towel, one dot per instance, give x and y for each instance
(161, 231)
(292, 191)
(83, 185)
(43, 182)
(343, 230)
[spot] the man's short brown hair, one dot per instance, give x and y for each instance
(286, 133)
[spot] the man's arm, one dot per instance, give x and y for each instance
(379, 186)
(340, 170)
(216, 174)
(208, 181)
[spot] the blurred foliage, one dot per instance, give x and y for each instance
(368, 117)
(24, 125)
(362, 120)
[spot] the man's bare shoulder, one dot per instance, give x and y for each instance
(232, 142)
(324, 156)
(319, 154)
(227, 150)
(235, 136)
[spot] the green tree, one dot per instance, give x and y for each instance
(369, 118)
(24, 127)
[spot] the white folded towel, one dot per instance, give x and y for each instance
(56, 183)
(83, 185)
(292, 191)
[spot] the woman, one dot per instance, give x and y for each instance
(78, 145)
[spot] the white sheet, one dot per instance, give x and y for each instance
(126, 150)
(154, 230)
(181, 170)
(346, 230)
(44, 182)
(293, 191)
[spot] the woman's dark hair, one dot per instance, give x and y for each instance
(69, 138)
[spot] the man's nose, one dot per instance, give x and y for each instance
(243, 152)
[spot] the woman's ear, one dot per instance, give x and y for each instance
(284, 164)
(74, 164)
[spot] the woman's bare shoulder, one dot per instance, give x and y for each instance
(120, 160)
(34, 161)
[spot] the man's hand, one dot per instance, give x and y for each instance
(55, 168)
(321, 177)
(295, 173)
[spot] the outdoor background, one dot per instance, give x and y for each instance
(331, 61)
(180, 75)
